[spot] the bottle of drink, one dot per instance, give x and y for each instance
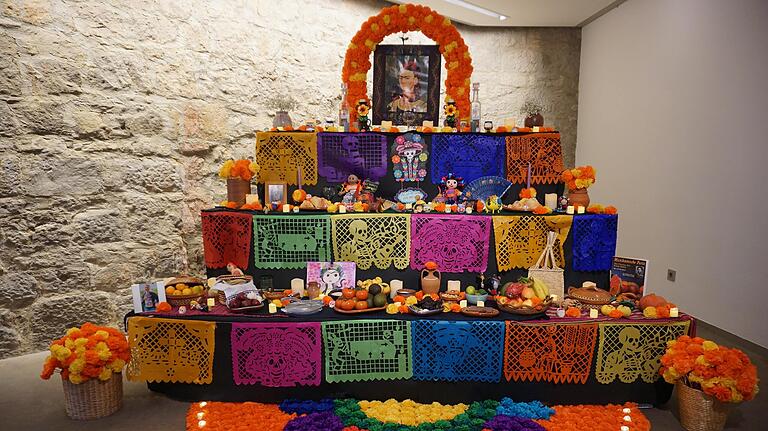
(474, 124)
(344, 110)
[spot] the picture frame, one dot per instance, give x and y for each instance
(274, 189)
(146, 296)
(400, 75)
(332, 276)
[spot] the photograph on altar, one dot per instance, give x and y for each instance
(276, 192)
(406, 84)
(331, 276)
(146, 296)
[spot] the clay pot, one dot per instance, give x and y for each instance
(430, 281)
(578, 198)
(237, 188)
(534, 121)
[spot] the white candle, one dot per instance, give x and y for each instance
(560, 312)
(296, 209)
(272, 308)
(468, 210)
(385, 125)
(581, 210)
(201, 424)
(550, 200)
(535, 129)
(342, 209)
(554, 298)
(481, 303)
(627, 411)
(447, 209)
(395, 285)
(286, 208)
(593, 313)
(454, 286)
(674, 312)
(569, 210)
(624, 428)
(200, 415)
(297, 286)
(211, 302)
(510, 123)
(408, 207)
(627, 418)
(463, 303)
(251, 199)
(426, 123)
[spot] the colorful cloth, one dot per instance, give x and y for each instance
(552, 353)
(280, 154)
(372, 239)
(276, 354)
(290, 242)
(520, 240)
(632, 351)
(594, 241)
(171, 350)
(457, 351)
(341, 154)
(470, 156)
(457, 243)
(367, 350)
(226, 238)
(542, 151)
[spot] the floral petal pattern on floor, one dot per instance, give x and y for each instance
(171, 350)
(521, 239)
(542, 151)
(457, 351)
(631, 351)
(379, 240)
(594, 241)
(457, 243)
(226, 238)
(551, 353)
(362, 154)
(467, 156)
(290, 242)
(276, 354)
(280, 154)
(367, 350)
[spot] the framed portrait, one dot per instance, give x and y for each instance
(406, 84)
(332, 276)
(275, 192)
(146, 296)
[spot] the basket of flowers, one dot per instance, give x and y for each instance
(709, 379)
(91, 360)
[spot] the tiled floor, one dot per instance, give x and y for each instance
(28, 403)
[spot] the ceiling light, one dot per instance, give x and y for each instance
(477, 9)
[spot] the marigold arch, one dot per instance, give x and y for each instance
(402, 18)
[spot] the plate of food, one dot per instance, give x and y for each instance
(475, 311)
(427, 307)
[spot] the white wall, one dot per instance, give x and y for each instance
(673, 114)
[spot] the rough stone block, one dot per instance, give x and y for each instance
(18, 289)
(51, 316)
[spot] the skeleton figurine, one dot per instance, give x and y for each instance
(628, 361)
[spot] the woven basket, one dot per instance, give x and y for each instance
(699, 411)
(184, 300)
(546, 268)
(93, 399)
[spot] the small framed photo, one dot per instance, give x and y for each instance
(275, 192)
(332, 276)
(146, 296)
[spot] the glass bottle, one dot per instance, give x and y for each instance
(344, 110)
(475, 107)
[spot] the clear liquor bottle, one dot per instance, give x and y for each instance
(475, 108)
(344, 109)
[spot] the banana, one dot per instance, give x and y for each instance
(540, 289)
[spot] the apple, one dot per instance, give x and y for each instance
(528, 293)
(528, 303)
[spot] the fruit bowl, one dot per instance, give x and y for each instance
(195, 286)
(472, 299)
(525, 310)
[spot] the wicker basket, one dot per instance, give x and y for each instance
(699, 411)
(184, 300)
(93, 399)
(546, 268)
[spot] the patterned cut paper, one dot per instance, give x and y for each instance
(542, 151)
(632, 351)
(470, 156)
(362, 154)
(457, 351)
(280, 154)
(457, 243)
(551, 353)
(290, 241)
(171, 350)
(226, 238)
(276, 354)
(367, 350)
(370, 240)
(521, 239)
(594, 241)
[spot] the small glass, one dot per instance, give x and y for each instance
(488, 126)
(313, 289)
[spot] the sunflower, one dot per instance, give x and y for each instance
(362, 110)
(450, 110)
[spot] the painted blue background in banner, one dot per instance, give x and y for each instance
(470, 156)
(594, 241)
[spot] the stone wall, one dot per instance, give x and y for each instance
(114, 117)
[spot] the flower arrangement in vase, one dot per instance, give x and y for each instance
(578, 181)
(281, 105)
(708, 376)
(532, 111)
(238, 174)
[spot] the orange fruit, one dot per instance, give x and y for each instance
(419, 295)
(361, 305)
(285, 302)
(327, 300)
(399, 298)
(169, 290)
(348, 304)
(434, 296)
(403, 309)
(288, 292)
(347, 293)
(361, 294)
(455, 308)
(536, 300)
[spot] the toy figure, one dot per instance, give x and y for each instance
(563, 203)
(493, 205)
(452, 192)
(363, 123)
(351, 189)
(418, 207)
(451, 112)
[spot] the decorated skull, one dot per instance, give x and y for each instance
(629, 338)
(358, 229)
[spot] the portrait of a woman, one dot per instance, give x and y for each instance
(408, 92)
